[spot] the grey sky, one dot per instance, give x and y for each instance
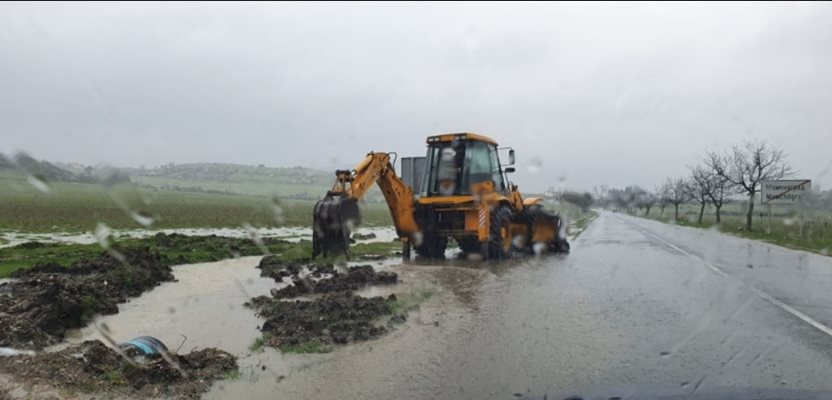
(611, 94)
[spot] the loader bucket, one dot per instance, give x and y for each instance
(333, 219)
(550, 230)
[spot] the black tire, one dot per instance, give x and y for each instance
(433, 246)
(470, 245)
(559, 246)
(499, 234)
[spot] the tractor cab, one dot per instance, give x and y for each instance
(456, 162)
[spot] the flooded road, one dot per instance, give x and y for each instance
(628, 306)
(623, 308)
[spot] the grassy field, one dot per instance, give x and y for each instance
(582, 221)
(784, 229)
(77, 207)
(248, 188)
(177, 249)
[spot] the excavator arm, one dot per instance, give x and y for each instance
(337, 213)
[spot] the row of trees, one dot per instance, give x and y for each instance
(738, 171)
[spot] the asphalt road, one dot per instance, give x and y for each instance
(636, 305)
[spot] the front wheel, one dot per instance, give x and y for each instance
(561, 246)
(499, 243)
(433, 246)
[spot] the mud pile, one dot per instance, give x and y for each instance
(338, 316)
(93, 367)
(272, 267)
(211, 247)
(354, 279)
(334, 318)
(44, 301)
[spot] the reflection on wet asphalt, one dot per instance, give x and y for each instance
(624, 308)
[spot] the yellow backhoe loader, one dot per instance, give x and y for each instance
(460, 189)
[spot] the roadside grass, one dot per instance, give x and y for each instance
(23, 256)
(248, 188)
(784, 229)
(375, 248)
(115, 378)
(79, 207)
(176, 249)
(232, 375)
(579, 224)
(257, 344)
(357, 251)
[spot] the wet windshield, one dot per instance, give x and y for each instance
(477, 164)
(496, 200)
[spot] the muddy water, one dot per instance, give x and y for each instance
(472, 339)
(10, 238)
(205, 305)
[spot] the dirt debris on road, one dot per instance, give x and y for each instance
(354, 279)
(44, 301)
(272, 266)
(334, 318)
(92, 367)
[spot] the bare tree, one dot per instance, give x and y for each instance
(676, 192)
(720, 186)
(645, 201)
(699, 187)
(749, 164)
(661, 198)
(583, 200)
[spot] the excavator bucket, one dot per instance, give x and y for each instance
(333, 219)
(548, 230)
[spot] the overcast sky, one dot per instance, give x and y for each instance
(587, 94)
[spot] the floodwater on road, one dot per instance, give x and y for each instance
(626, 307)
(621, 309)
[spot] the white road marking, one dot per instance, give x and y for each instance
(763, 295)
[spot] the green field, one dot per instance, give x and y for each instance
(78, 207)
(177, 249)
(783, 229)
(249, 188)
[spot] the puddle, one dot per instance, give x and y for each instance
(205, 305)
(292, 234)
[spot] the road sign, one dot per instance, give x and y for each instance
(784, 191)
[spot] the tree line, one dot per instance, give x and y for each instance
(739, 170)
